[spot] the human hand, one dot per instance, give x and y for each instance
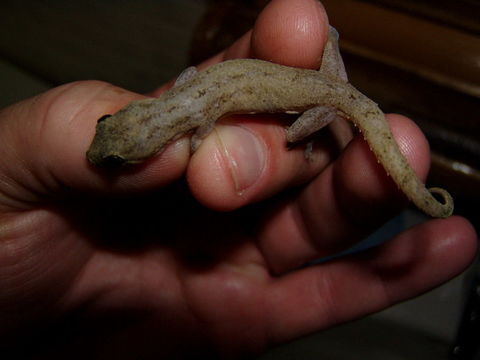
(140, 263)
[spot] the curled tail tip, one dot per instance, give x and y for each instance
(446, 203)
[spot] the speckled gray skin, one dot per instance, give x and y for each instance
(143, 128)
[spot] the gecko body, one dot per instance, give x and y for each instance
(143, 128)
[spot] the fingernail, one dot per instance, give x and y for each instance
(245, 154)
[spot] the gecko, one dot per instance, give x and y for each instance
(247, 86)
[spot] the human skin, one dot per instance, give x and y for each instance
(142, 263)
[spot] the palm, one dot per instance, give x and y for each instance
(169, 266)
(155, 257)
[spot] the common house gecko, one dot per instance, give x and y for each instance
(246, 86)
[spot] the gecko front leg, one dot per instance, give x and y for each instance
(200, 133)
(186, 75)
(203, 130)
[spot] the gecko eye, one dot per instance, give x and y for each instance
(112, 161)
(104, 117)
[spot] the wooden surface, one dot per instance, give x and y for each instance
(443, 54)
(460, 14)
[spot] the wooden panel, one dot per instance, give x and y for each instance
(445, 55)
(462, 14)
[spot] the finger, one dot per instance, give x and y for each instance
(348, 200)
(412, 263)
(291, 33)
(247, 160)
(286, 32)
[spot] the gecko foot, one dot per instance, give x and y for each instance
(200, 133)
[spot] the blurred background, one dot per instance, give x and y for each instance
(418, 58)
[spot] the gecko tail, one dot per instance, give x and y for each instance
(435, 202)
(445, 205)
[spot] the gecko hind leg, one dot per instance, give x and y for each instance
(310, 122)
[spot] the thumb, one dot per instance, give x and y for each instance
(45, 139)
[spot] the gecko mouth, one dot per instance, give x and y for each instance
(103, 118)
(112, 161)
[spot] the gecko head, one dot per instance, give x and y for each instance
(122, 138)
(101, 152)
